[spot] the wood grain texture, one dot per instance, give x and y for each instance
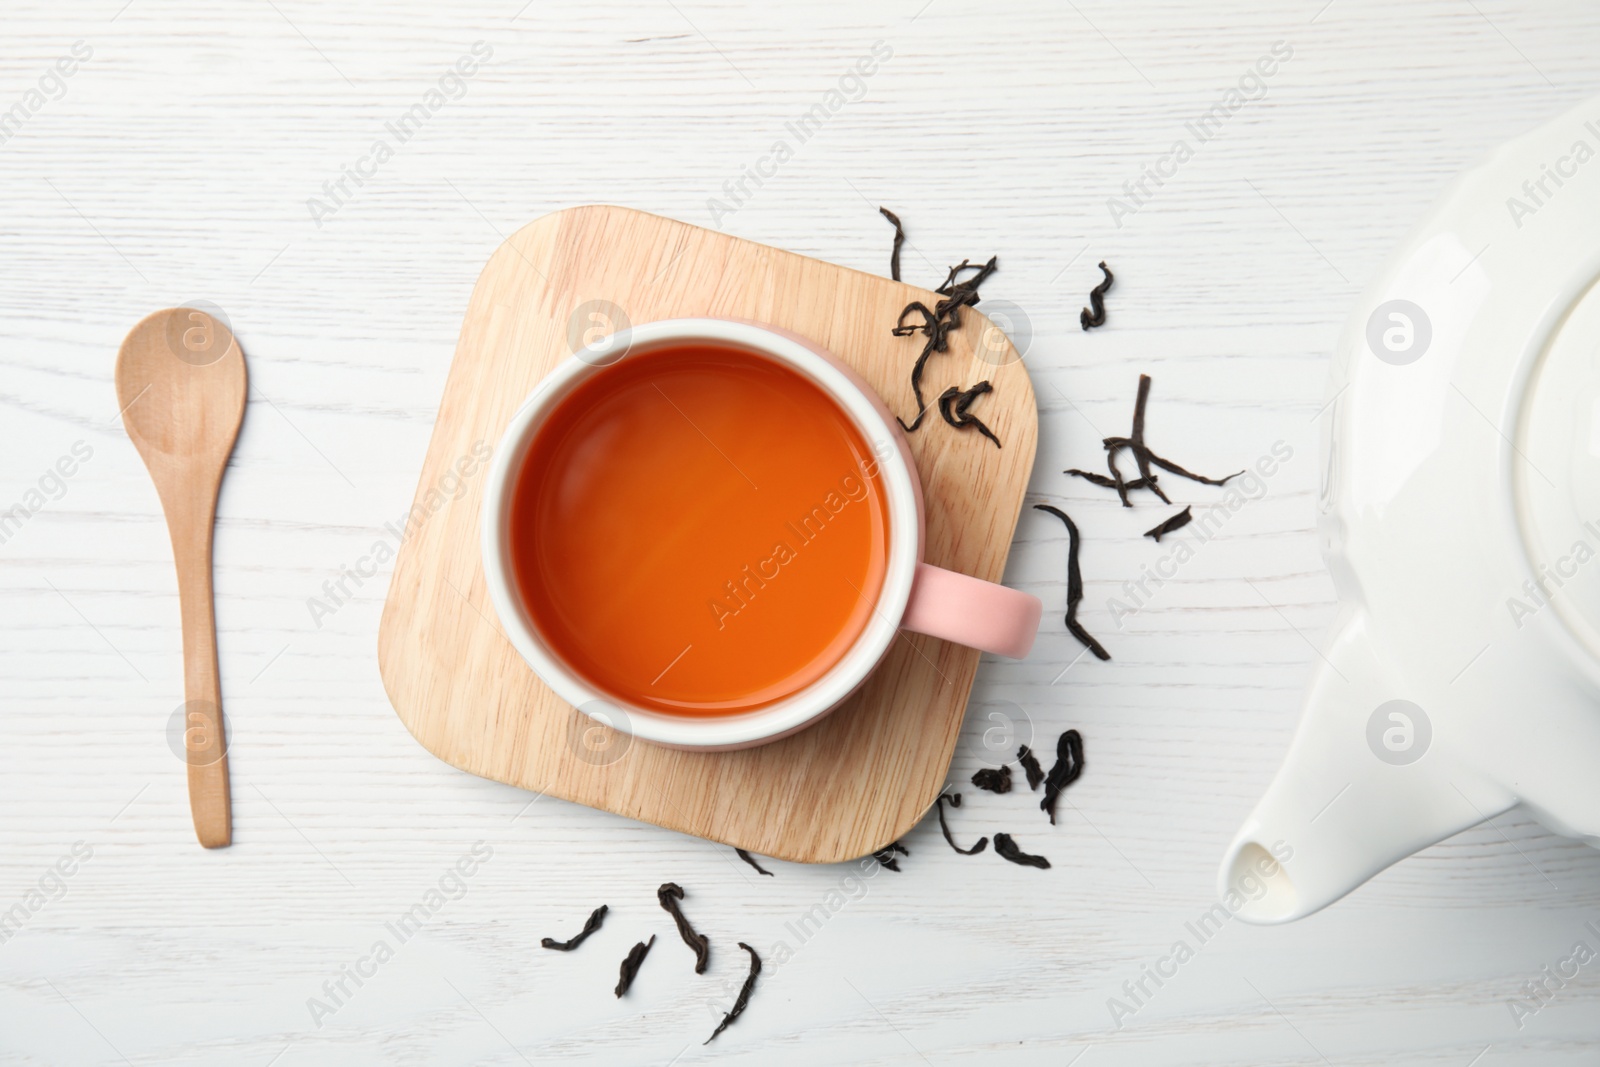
(178, 165)
(835, 791)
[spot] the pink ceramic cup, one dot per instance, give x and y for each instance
(914, 596)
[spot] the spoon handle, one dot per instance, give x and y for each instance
(204, 737)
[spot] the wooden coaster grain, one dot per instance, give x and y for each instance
(841, 789)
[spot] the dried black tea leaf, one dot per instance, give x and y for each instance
(1067, 768)
(885, 855)
(993, 779)
(668, 896)
(1102, 481)
(953, 405)
(934, 330)
(751, 860)
(1086, 639)
(596, 917)
(1177, 522)
(945, 404)
(743, 1000)
(938, 324)
(1030, 766)
(955, 802)
(928, 326)
(1074, 585)
(1097, 299)
(630, 964)
(1168, 465)
(1143, 457)
(953, 284)
(1008, 849)
(894, 256)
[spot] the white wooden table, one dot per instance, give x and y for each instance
(176, 164)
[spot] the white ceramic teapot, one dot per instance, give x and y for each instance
(1461, 521)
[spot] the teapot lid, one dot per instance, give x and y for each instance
(1555, 475)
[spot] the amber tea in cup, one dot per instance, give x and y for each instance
(699, 530)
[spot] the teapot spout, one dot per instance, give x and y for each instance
(1299, 852)
(1350, 799)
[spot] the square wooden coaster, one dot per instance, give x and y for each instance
(838, 790)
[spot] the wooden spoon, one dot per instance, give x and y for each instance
(181, 385)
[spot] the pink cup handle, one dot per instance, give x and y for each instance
(972, 612)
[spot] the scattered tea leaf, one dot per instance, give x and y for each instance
(1177, 522)
(630, 964)
(1030, 765)
(894, 256)
(1102, 481)
(953, 405)
(668, 896)
(596, 917)
(1168, 465)
(994, 779)
(1074, 585)
(1007, 848)
(1067, 768)
(1143, 457)
(934, 330)
(1097, 295)
(885, 855)
(938, 324)
(751, 860)
(743, 1000)
(955, 802)
(945, 403)
(952, 284)
(930, 324)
